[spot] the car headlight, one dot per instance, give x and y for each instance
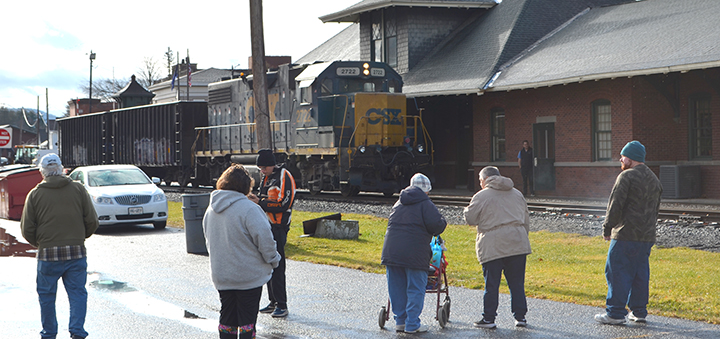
(420, 148)
(159, 197)
(102, 200)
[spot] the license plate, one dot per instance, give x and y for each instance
(135, 210)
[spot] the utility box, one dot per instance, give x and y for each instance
(15, 184)
(193, 207)
(680, 181)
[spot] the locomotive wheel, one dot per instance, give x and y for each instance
(388, 192)
(349, 190)
(381, 317)
(314, 192)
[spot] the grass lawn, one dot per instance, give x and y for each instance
(684, 283)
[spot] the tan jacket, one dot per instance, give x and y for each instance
(500, 213)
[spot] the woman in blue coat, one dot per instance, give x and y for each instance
(406, 253)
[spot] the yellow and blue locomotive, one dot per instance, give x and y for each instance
(337, 126)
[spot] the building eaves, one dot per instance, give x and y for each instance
(352, 13)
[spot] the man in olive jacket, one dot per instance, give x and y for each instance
(630, 226)
(500, 213)
(57, 218)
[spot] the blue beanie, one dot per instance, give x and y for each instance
(634, 150)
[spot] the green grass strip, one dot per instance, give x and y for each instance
(684, 283)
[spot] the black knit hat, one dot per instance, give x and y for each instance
(265, 158)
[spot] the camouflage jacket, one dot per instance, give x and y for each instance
(632, 210)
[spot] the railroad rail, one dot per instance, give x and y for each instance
(561, 208)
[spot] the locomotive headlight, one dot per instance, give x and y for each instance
(366, 69)
(361, 149)
(420, 148)
(366, 65)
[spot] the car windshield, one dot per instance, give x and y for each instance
(114, 177)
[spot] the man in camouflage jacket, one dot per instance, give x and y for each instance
(630, 226)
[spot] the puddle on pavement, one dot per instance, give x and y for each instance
(140, 302)
(10, 247)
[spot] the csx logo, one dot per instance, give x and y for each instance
(388, 116)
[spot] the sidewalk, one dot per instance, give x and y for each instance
(144, 285)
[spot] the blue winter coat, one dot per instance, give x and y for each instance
(413, 222)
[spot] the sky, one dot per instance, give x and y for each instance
(46, 44)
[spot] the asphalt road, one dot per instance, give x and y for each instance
(143, 284)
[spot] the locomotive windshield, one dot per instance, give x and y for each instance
(359, 85)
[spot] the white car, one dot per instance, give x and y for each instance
(123, 194)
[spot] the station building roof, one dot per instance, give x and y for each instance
(352, 13)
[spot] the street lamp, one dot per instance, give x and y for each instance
(92, 57)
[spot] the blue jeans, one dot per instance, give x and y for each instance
(74, 276)
(406, 287)
(627, 271)
(514, 268)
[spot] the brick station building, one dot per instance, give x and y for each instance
(578, 79)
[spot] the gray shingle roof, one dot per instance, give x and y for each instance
(343, 46)
(652, 36)
(352, 13)
(469, 58)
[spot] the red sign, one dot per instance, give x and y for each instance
(5, 138)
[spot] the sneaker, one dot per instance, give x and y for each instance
(421, 329)
(484, 324)
(280, 312)
(632, 317)
(268, 309)
(75, 336)
(521, 323)
(400, 328)
(605, 319)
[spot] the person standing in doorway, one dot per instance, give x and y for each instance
(630, 226)
(503, 222)
(277, 194)
(57, 218)
(525, 162)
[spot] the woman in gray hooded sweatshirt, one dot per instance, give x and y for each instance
(242, 252)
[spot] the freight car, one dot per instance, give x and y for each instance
(156, 138)
(339, 125)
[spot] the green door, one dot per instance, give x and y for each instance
(544, 152)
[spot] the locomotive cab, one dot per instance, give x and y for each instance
(352, 131)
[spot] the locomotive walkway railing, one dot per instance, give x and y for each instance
(219, 140)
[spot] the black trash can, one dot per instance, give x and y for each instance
(194, 206)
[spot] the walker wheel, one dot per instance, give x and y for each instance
(446, 307)
(382, 317)
(442, 316)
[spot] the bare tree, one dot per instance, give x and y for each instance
(170, 58)
(104, 88)
(149, 73)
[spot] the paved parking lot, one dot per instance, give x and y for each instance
(143, 284)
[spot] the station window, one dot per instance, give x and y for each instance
(377, 37)
(700, 127)
(498, 135)
(602, 130)
(384, 37)
(391, 38)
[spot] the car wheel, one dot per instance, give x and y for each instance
(159, 225)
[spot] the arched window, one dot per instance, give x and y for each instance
(602, 130)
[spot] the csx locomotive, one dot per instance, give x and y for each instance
(339, 125)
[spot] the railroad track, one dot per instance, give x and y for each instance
(588, 210)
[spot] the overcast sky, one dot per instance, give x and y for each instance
(46, 44)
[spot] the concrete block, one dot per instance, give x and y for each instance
(338, 229)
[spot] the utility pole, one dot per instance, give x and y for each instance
(92, 57)
(47, 117)
(262, 117)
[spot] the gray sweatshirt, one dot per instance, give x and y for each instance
(239, 241)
